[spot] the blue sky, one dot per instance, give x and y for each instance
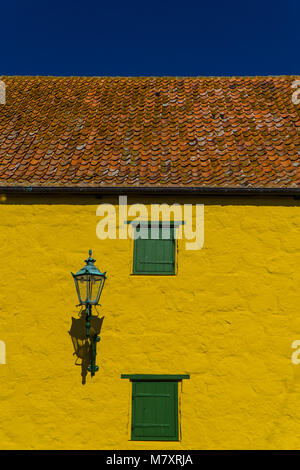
(154, 38)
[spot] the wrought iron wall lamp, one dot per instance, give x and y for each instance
(89, 283)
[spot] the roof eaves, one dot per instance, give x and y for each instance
(154, 190)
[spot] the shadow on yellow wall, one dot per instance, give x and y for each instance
(82, 345)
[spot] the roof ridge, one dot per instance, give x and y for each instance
(186, 77)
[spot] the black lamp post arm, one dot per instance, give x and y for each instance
(94, 340)
(93, 368)
(88, 319)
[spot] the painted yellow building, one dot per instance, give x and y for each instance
(218, 331)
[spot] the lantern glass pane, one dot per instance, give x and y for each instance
(95, 283)
(82, 287)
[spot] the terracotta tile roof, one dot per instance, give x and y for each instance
(163, 132)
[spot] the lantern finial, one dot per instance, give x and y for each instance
(90, 260)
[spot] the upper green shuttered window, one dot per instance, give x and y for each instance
(154, 249)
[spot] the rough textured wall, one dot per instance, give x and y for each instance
(228, 318)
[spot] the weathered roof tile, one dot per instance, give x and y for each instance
(164, 131)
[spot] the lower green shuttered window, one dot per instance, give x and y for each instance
(154, 408)
(154, 411)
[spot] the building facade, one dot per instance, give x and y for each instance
(198, 344)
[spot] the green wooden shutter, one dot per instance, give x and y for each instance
(155, 411)
(154, 255)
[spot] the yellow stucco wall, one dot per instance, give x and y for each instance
(228, 318)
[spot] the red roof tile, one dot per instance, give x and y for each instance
(163, 132)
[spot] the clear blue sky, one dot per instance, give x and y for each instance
(144, 38)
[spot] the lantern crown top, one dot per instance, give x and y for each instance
(90, 268)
